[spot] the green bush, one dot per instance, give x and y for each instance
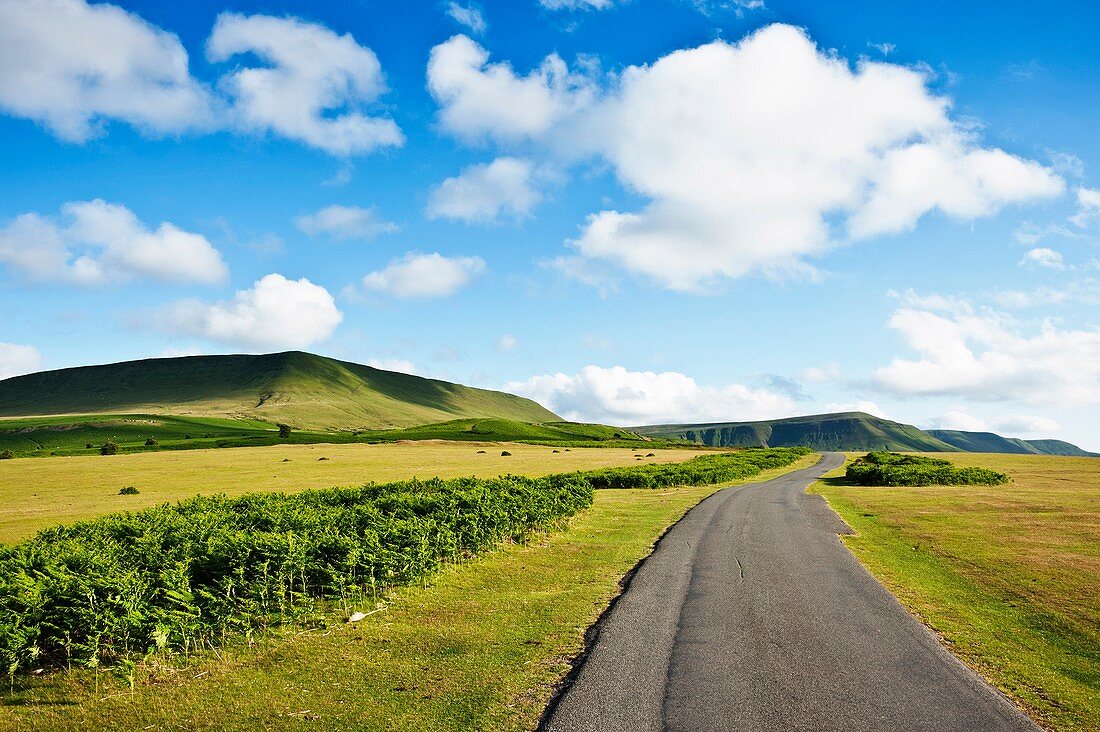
(128, 491)
(7, 455)
(151, 442)
(284, 431)
(109, 448)
(187, 575)
(505, 453)
(891, 469)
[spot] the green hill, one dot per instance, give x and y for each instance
(991, 442)
(842, 431)
(301, 389)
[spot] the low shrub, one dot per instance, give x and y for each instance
(7, 455)
(505, 453)
(892, 469)
(151, 442)
(186, 576)
(128, 491)
(109, 448)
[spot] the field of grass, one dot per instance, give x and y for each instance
(36, 493)
(84, 434)
(1008, 575)
(480, 647)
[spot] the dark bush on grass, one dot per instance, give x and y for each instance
(185, 576)
(109, 448)
(151, 442)
(128, 491)
(891, 469)
(284, 431)
(7, 455)
(505, 453)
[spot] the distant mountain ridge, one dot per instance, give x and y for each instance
(852, 431)
(301, 389)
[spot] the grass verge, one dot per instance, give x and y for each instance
(479, 647)
(1006, 575)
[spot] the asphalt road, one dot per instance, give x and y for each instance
(751, 615)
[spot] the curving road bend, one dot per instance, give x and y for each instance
(751, 615)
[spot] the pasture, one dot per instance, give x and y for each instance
(36, 493)
(1005, 574)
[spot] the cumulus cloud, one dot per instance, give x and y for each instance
(481, 100)
(986, 356)
(1044, 257)
(753, 156)
(956, 419)
(314, 86)
(16, 360)
(73, 66)
(618, 396)
(1088, 203)
(858, 406)
(508, 343)
(469, 16)
(1021, 425)
(274, 313)
(487, 193)
(577, 4)
(345, 222)
(99, 242)
(419, 275)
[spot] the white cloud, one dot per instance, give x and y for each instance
(753, 156)
(345, 222)
(884, 48)
(276, 313)
(1044, 257)
(1085, 290)
(487, 193)
(985, 356)
(1088, 202)
(508, 343)
(469, 16)
(858, 406)
(394, 364)
(1027, 425)
(313, 86)
(16, 360)
(73, 66)
(821, 374)
(102, 242)
(618, 396)
(956, 419)
(577, 4)
(419, 275)
(480, 100)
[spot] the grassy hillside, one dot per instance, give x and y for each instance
(301, 389)
(842, 431)
(85, 434)
(990, 442)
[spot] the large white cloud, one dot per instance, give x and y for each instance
(274, 313)
(345, 222)
(486, 193)
(419, 275)
(100, 242)
(753, 156)
(72, 66)
(16, 359)
(313, 87)
(618, 396)
(986, 356)
(479, 99)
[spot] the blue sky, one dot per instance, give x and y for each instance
(633, 211)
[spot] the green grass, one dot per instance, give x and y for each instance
(1006, 575)
(301, 389)
(479, 647)
(71, 435)
(35, 494)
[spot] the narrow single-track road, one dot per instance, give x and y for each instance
(751, 615)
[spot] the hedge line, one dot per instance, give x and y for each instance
(187, 575)
(892, 469)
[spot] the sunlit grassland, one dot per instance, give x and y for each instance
(36, 493)
(481, 646)
(1008, 575)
